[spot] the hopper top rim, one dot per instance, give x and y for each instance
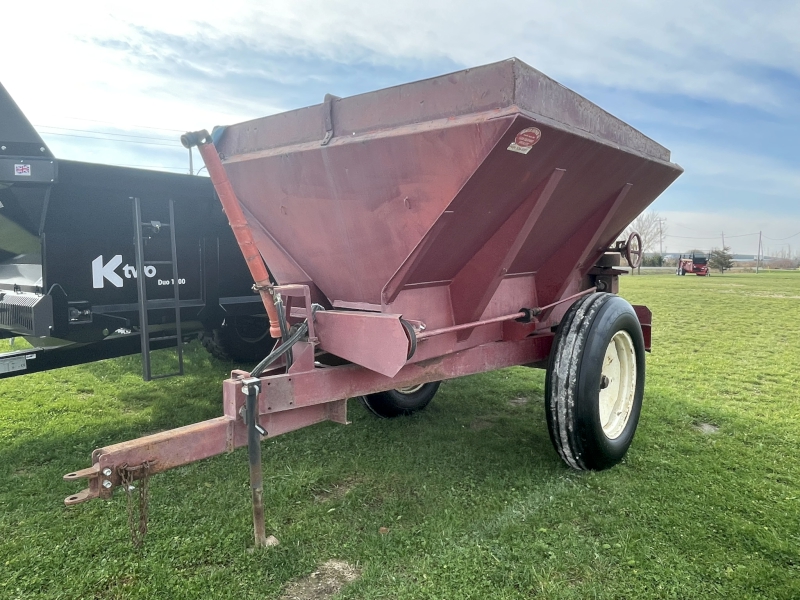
(494, 86)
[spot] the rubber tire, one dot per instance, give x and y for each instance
(226, 343)
(393, 403)
(572, 384)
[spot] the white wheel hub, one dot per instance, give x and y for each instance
(410, 389)
(617, 384)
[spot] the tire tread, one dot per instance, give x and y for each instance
(563, 374)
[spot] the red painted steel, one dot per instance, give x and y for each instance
(286, 403)
(466, 326)
(422, 203)
(645, 317)
(458, 203)
(242, 232)
(373, 340)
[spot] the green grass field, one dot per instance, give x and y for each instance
(475, 500)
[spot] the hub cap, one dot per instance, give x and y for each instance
(617, 384)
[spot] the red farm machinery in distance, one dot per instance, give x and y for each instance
(423, 232)
(695, 262)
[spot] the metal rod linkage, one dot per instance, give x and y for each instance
(522, 314)
(426, 334)
(251, 387)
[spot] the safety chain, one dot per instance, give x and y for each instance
(126, 473)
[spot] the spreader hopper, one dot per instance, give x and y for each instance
(436, 229)
(448, 201)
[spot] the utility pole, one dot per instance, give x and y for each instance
(191, 162)
(723, 241)
(758, 257)
(660, 238)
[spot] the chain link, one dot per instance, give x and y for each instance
(137, 519)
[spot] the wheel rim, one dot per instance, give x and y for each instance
(410, 389)
(617, 384)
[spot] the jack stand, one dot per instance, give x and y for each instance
(251, 388)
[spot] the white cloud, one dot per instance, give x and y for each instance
(707, 50)
(744, 172)
(710, 50)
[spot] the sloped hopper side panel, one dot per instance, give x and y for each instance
(351, 213)
(348, 214)
(577, 213)
(420, 181)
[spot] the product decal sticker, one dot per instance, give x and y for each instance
(525, 140)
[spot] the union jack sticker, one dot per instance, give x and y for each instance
(22, 170)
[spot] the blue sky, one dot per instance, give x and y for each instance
(718, 83)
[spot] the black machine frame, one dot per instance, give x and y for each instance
(69, 258)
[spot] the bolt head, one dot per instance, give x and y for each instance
(107, 484)
(107, 472)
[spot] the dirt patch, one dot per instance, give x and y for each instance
(325, 582)
(480, 424)
(521, 401)
(334, 491)
(707, 428)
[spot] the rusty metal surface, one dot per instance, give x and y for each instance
(373, 340)
(645, 317)
(286, 403)
(448, 201)
(429, 333)
(348, 214)
(418, 179)
(473, 287)
(489, 87)
(242, 232)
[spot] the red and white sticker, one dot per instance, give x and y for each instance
(525, 140)
(22, 170)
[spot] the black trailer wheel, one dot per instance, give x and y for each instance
(595, 382)
(403, 401)
(239, 339)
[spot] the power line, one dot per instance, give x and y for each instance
(682, 226)
(107, 139)
(152, 167)
(116, 125)
(144, 137)
(684, 237)
(766, 237)
(781, 239)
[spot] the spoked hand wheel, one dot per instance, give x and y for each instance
(633, 250)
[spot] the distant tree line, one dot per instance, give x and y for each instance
(654, 260)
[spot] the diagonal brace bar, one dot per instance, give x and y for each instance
(473, 287)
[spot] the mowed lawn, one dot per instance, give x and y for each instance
(473, 500)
